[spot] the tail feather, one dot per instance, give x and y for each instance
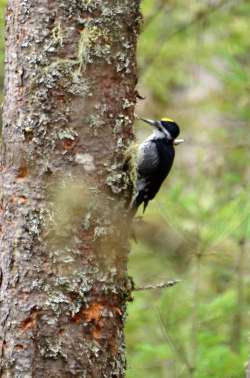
(137, 200)
(145, 204)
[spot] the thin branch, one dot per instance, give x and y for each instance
(179, 352)
(162, 285)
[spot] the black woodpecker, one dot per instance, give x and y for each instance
(154, 161)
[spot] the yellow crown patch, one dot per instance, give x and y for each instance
(167, 119)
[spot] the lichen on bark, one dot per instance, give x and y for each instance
(70, 94)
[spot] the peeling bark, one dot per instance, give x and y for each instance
(70, 96)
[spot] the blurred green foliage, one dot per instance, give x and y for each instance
(194, 67)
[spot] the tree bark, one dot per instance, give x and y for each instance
(70, 95)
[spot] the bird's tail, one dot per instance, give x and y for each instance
(136, 201)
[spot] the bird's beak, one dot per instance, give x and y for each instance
(151, 122)
(178, 141)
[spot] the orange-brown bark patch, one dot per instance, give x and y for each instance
(97, 334)
(22, 172)
(68, 144)
(94, 312)
(20, 200)
(29, 323)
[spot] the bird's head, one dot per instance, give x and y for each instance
(168, 127)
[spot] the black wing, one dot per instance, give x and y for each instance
(147, 169)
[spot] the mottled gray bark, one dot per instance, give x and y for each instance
(70, 95)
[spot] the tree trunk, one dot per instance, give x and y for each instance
(69, 104)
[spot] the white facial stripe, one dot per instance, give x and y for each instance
(166, 132)
(168, 135)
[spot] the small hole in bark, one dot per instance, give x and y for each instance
(28, 135)
(22, 172)
(19, 347)
(68, 144)
(81, 28)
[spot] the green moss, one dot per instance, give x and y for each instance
(84, 49)
(57, 34)
(131, 158)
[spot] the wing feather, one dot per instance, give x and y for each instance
(148, 160)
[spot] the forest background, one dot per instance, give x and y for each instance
(194, 66)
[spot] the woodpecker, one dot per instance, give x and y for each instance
(154, 161)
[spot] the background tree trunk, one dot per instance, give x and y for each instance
(70, 96)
